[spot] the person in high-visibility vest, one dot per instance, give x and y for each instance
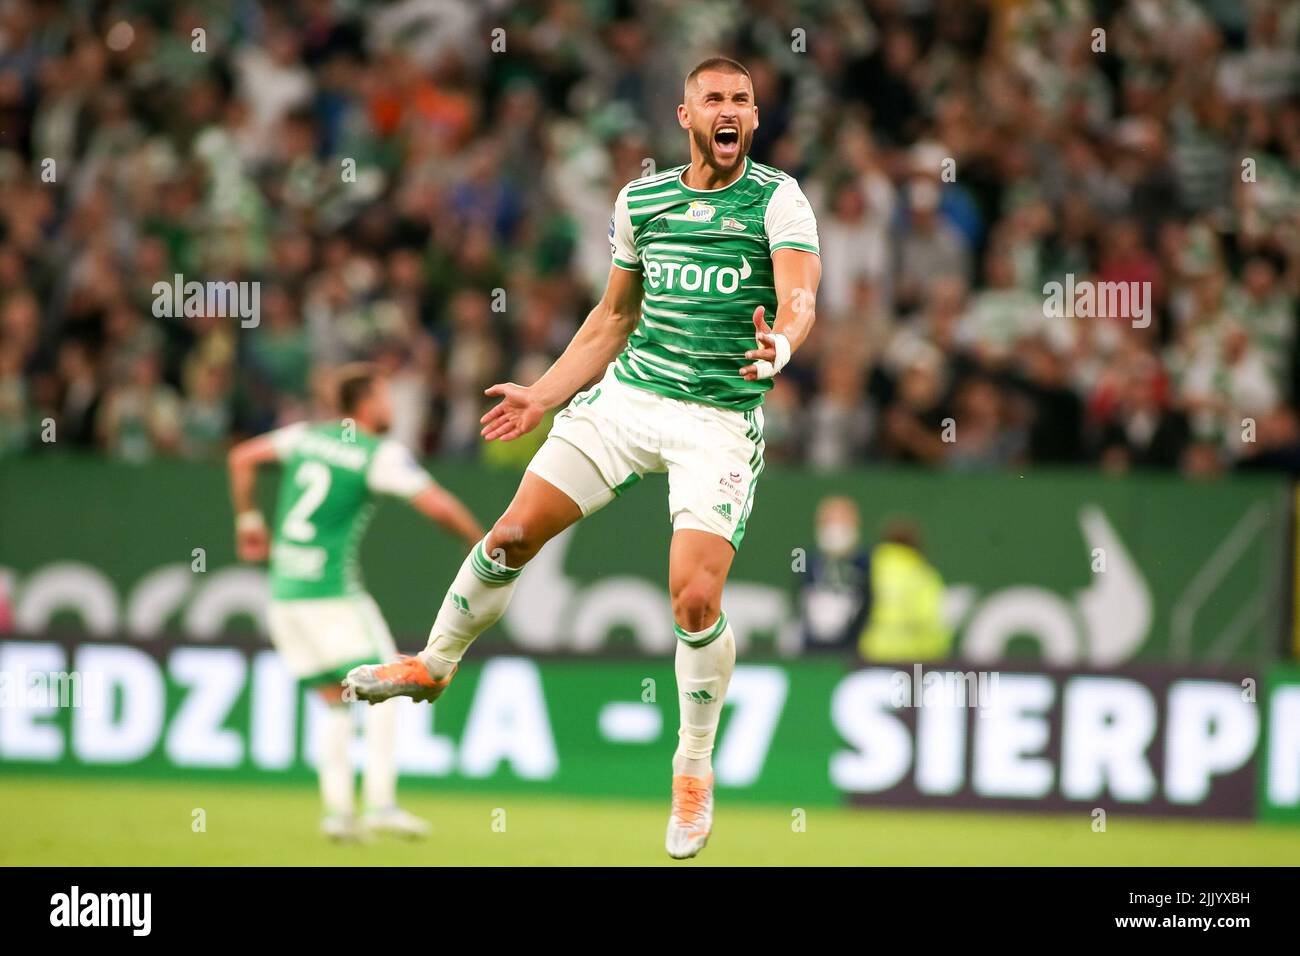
(906, 622)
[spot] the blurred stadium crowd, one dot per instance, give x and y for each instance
(473, 239)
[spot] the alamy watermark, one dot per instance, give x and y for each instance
(49, 690)
(133, 911)
(1086, 299)
(227, 300)
(943, 688)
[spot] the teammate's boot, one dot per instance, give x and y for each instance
(692, 816)
(340, 827)
(394, 821)
(404, 677)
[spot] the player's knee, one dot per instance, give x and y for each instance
(514, 540)
(697, 602)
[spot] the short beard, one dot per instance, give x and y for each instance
(704, 142)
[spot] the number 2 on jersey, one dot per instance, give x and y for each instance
(314, 478)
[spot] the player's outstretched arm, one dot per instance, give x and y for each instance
(394, 471)
(602, 336)
(797, 275)
(449, 512)
(252, 541)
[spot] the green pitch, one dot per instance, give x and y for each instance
(47, 821)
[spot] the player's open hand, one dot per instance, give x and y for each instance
(516, 414)
(766, 351)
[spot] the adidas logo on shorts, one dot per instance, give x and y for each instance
(724, 509)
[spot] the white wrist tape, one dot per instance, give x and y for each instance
(250, 521)
(766, 369)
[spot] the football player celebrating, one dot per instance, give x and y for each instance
(702, 254)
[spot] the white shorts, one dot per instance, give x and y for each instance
(322, 639)
(713, 456)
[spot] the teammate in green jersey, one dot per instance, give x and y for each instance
(321, 620)
(701, 254)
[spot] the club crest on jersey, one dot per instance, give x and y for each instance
(733, 225)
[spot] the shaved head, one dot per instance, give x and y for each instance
(714, 64)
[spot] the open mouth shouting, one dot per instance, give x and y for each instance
(726, 142)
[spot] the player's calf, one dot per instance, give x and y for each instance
(475, 601)
(483, 587)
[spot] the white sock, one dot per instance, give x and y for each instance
(705, 660)
(379, 782)
(333, 762)
(475, 601)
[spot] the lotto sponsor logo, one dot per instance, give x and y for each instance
(700, 212)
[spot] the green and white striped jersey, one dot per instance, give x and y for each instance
(326, 499)
(705, 256)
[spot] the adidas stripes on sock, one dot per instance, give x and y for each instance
(475, 601)
(704, 662)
